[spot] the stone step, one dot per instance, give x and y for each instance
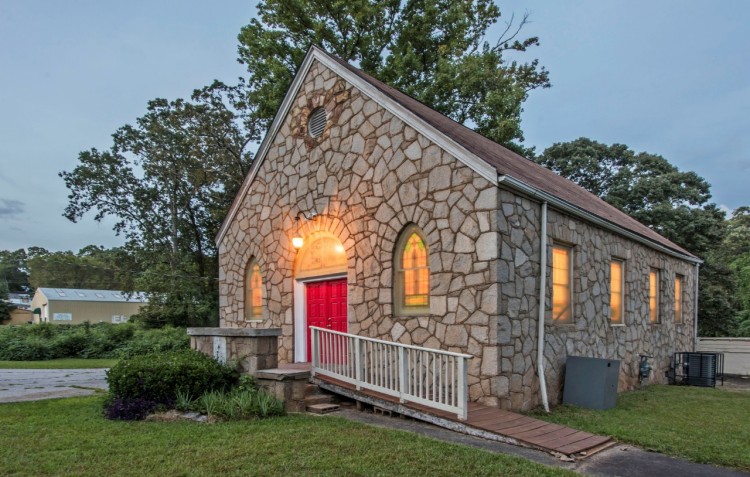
(319, 399)
(322, 408)
(311, 389)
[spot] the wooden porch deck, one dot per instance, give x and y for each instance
(484, 421)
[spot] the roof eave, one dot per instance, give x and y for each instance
(589, 217)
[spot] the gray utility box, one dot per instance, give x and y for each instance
(591, 382)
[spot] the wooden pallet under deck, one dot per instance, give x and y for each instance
(484, 421)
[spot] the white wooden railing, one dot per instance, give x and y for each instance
(430, 377)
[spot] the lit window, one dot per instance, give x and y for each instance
(678, 299)
(412, 290)
(562, 273)
(616, 291)
(653, 295)
(253, 292)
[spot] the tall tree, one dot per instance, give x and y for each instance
(92, 267)
(434, 50)
(6, 307)
(14, 275)
(672, 202)
(168, 181)
(734, 254)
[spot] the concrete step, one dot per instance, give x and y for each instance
(322, 408)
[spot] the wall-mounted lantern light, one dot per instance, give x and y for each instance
(297, 240)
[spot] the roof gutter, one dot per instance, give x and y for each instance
(573, 210)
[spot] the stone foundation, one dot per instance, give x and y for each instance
(252, 349)
(288, 385)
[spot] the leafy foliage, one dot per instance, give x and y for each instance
(6, 307)
(434, 50)
(646, 186)
(103, 340)
(168, 180)
(92, 267)
(733, 253)
(14, 276)
(244, 401)
(158, 377)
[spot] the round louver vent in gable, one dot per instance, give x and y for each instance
(317, 122)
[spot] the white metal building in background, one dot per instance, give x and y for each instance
(73, 305)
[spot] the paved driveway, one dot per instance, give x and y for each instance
(35, 384)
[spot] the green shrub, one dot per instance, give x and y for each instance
(27, 349)
(159, 377)
(157, 340)
(239, 403)
(102, 340)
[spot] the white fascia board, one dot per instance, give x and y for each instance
(260, 155)
(441, 140)
(589, 217)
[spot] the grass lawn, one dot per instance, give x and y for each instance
(69, 437)
(64, 363)
(701, 424)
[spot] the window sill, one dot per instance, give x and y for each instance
(618, 325)
(409, 317)
(253, 321)
(559, 325)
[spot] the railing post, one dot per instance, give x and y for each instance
(357, 363)
(314, 352)
(463, 389)
(402, 374)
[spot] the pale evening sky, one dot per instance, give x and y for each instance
(666, 77)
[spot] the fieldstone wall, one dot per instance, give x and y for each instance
(368, 177)
(591, 333)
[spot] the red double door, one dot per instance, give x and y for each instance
(326, 307)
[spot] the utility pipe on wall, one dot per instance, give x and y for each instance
(695, 324)
(542, 307)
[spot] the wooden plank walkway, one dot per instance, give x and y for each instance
(535, 432)
(488, 421)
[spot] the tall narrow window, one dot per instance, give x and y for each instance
(562, 290)
(412, 287)
(616, 291)
(253, 291)
(678, 299)
(653, 295)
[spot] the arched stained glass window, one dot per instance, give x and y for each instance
(253, 291)
(412, 284)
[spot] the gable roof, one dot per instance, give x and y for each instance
(80, 294)
(489, 159)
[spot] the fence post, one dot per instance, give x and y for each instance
(463, 390)
(314, 352)
(357, 363)
(402, 373)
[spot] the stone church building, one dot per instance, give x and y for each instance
(367, 212)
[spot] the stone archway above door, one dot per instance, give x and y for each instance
(323, 254)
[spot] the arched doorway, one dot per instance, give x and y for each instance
(320, 290)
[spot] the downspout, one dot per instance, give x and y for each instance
(542, 306)
(695, 324)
